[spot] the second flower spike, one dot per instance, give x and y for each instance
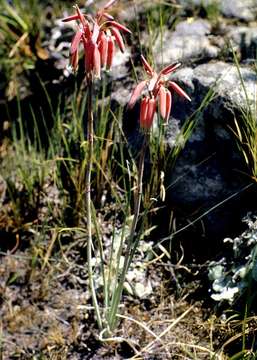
(155, 88)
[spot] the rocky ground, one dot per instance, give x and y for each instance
(168, 313)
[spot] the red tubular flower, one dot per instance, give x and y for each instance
(110, 53)
(70, 18)
(162, 101)
(147, 67)
(97, 35)
(143, 110)
(115, 32)
(165, 103)
(147, 111)
(89, 58)
(150, 113)
(97, 62)
(74, 59)
(168, 106)
(156, 87)
(115, 24)
(81, 17)
(107, 16)
(136, 93)
(178, 90)
(170, 68)
(75, 42)
(103, 48)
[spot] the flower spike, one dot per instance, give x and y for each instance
(97, 34)
(158, 88)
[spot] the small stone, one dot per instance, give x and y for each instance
(143, 290)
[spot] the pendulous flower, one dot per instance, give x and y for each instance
(98, 35)
(158, 90)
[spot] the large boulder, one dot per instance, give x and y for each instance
(207, 182)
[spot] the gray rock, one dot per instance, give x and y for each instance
(225, 80)
(245, 10)
(242, 9)
(244, 41)
(121, 96)
(197, 27)
(189, 42)
(119, 68)
(206, 173)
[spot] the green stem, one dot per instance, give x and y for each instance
(90, 139)
(129, 249)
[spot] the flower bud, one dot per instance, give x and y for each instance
(118, 38)
(97, 62)
(110, 53)
(147, 111)
(143, 111)
(103, 48)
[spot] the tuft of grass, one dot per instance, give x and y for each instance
(212, 10)
(245, 129)
(20, 34)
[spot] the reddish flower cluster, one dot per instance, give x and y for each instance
(158, 90)
(98, 36)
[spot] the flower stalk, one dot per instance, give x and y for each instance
(131, 244)
(158, 91)
(97, 36)
(90, 141)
